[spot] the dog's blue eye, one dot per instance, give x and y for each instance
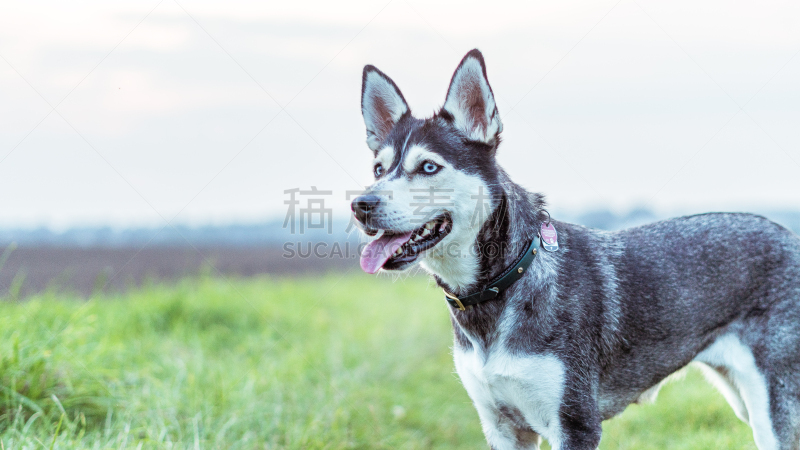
(430, 167)
(378, 170)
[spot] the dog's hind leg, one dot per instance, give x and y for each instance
(740, 373)
(720, 378)
(775, 341)
(779, 352)
(785, 410)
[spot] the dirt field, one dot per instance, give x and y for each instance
(89, 270)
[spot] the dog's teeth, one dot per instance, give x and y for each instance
(399, 251)
(426, 232)
(429, 226)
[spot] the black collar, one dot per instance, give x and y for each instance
(499, 283)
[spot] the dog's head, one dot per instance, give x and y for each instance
(435, 178)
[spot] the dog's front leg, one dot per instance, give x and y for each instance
(580, 418)
(580, 434)
(502, 433)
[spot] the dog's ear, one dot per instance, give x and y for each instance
(470, 101)
(382, 105)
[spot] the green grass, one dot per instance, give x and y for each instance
(320, 362)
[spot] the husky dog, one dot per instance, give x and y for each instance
(600, 322)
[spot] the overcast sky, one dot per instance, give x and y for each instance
(204, 112)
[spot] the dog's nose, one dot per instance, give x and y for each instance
(363, 206)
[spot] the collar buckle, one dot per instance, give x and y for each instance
(455, 299)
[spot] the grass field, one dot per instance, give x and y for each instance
(320, 362)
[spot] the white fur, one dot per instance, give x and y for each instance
(468, 81)
(384, 157)
(453, 259)
(744, 386)
(532, 384)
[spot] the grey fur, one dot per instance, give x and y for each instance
(622, 310)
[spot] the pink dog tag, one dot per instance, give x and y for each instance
(549, 237)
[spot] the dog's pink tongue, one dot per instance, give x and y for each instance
(377, 252)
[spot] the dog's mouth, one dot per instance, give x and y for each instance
(394, 250)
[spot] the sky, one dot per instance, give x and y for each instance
(129, 114)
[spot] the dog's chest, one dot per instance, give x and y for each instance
(525, 390)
